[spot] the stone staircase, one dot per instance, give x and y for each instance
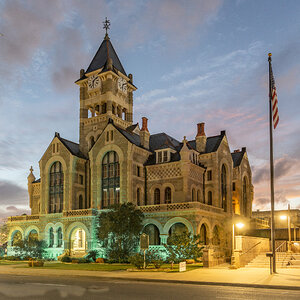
(283, 260)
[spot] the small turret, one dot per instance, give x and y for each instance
(30, 179)
(185, 152)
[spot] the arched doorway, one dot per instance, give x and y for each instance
(78, 241)
(33, 235)
(203, 234)
(16, 237)
(153, 232)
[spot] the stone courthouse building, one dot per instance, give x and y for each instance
(196, 185)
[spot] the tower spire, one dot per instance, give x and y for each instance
(106, 26)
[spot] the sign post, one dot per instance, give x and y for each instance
(144, 245)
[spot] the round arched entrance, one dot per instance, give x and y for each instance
(78, 241)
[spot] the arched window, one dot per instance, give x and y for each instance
(32, 236)
(110, 179)
(209, 198)
(138, 197)
(168, 195)
(224, 188)
(56, 188)
(193, 195)
(203, 234)
(245, 196)
(80, 202)
(59, 237)
(157, 196)
(51, 237)
(103, 108)
(198, 196)
(153, 232)
(17, 236)
(216, 236)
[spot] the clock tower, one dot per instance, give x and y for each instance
(106, 92)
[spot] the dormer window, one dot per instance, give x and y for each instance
(163, 156)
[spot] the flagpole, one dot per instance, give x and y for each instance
(271, 169)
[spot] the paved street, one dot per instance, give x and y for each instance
(41, 287)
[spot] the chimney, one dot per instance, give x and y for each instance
(200, 138)
(144, 133)
(237, 151)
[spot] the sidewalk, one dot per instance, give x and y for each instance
(244, 277)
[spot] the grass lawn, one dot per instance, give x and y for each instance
(112, 267)
(12, 262)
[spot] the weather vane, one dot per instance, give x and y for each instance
(106, 25)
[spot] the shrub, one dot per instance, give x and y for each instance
(155, 258)
(83, 260)
(13, 258)
(138, 260)
(75, 261)
(100, 260)
(66, 258)
(92, 255)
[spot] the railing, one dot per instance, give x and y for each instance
(251, 248)
(282, 247)
(23, 218)
(180, 206)
(80, 212)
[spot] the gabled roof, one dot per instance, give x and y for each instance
(105, 51)
(72, 147)
(212, 143)
(163, 141)
(237, 157)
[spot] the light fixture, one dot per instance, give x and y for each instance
(240, 225)
(283, 217)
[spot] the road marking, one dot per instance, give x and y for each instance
(50, 284)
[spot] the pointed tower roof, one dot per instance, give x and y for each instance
(105, 51)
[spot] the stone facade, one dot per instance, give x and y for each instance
(198, 185)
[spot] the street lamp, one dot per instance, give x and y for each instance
(235, 259)
(288, 218)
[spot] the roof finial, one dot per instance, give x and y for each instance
(106, 25)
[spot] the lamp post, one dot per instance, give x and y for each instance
(234, 261)
(288, 218)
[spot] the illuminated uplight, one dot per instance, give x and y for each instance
(239, 225)
(283, 217)
(296, 244)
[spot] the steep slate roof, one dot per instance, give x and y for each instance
(237, 158)
(163, 141)
(37, 180)
(105, 50)
(72, 147)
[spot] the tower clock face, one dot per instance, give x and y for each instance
(94, 82)
(122, 85)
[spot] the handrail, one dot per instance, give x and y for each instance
(250, 248)
(280, 246)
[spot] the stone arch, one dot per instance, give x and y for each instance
(151, 192)
(216, 238)
(142, 196)
(29, 229)
(48, 165)
(210, 197)
(174, 220)
(76, 225)
(193, 193)
(72, 229)
(97, 182)
(207, 224)
(224, 164)
(12, 233)
(154, 222)
(77, 204)
(204, 233)
(163, 188)
(154, 234)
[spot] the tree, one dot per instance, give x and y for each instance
(183, 246)
(3, 233)
(119, 230)
(30, 248)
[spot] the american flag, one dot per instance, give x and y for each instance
(274, 99)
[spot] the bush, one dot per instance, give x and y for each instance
(13, 258)
(155, 258)
(83, 260)
(92, 255)
(100, 260)
(75, 261)
(138, 260)
(66, 258)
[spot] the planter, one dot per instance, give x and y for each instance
(35, 263)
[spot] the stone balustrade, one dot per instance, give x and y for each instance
(80, 213)
(180, 206)
(23, 218)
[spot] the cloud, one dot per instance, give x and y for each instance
(10, 193)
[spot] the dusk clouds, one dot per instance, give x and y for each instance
(192, 61)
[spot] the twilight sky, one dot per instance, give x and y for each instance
(192, 61)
